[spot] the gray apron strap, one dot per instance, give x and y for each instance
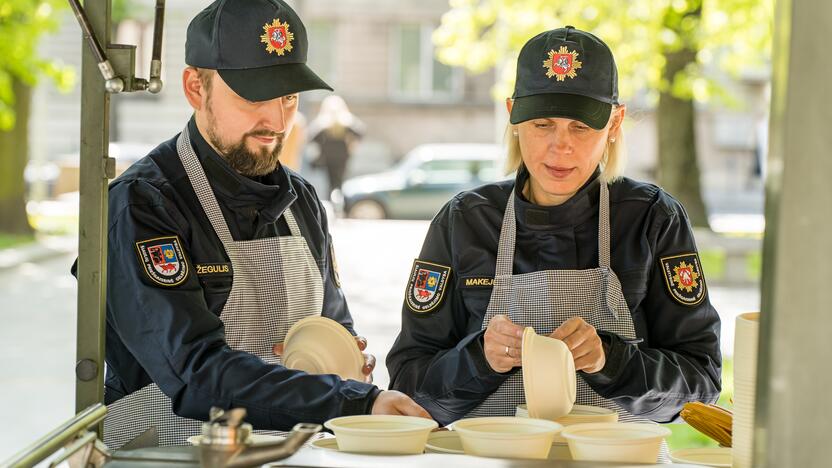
(604, 227)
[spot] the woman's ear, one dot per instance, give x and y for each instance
(509, 104)
(616, 120)
(193, 88)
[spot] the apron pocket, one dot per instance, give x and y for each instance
(216, 291)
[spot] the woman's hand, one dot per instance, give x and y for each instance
(502, 344)
(585, 344)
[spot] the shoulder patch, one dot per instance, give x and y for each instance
(684, 279)
(163, 260)
(426, 287)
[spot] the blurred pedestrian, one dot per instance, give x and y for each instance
(291, 156)
(336, 131)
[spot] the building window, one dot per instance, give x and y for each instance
(416, 73)
(320, 57)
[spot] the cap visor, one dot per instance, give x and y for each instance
(590, 111)
(263, 84)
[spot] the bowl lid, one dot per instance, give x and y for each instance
(708, 456)
(326, 443)
(320, 345)
(445, 442)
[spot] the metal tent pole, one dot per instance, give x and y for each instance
(96, 167)
(792, 423)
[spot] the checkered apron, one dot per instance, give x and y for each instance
(276, 283)
(545, 299)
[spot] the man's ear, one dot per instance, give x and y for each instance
(192, 85)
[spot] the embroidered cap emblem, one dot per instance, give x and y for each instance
(277, 37)
(561, 64)
(426, 287)
(683, 276)
(163, 260)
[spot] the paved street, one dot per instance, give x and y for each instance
(37, 339)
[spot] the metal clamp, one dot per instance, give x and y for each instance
(124, 55)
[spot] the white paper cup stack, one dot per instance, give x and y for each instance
(745, 379)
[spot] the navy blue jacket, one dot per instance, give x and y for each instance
(438, 356)
(173, 335)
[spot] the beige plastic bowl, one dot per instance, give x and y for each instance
(507, 437)
(548, 376)
(444, 442)
(376, 434)
(616, 442)
(319, 345)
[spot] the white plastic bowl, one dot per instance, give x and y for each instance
(507, 437)
(549, 380)
(376, 434)
(319, 345)
(616, 442)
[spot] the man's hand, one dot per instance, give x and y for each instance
(369, 359)
(502, 344)
(585, 344)
(397, 403)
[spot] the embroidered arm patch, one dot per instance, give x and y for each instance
(163, 261)
(426, 287)
(684, 279)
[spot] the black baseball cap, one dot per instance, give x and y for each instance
(258, 47)
(567, 73)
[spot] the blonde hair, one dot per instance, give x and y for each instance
(612, 163)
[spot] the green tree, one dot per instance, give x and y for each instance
(666, 49)
(22, 25)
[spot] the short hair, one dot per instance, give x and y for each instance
(612, 163)
(206, 77)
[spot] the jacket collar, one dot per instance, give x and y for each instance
(582, 206)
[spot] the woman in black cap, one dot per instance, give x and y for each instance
(570, 247)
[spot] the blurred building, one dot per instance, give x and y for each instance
(379, 56)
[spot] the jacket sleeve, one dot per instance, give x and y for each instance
(679, 360)
(174, 336)
(438, 356)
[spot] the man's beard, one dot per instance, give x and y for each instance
(240, 158)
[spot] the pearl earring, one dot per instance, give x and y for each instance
(612, 140)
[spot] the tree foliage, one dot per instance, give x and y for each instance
(729, 35)
(23, 23)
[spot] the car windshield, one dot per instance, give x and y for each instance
(454, 171)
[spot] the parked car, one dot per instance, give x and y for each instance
(417, 187)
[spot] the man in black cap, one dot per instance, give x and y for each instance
(216, 250)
